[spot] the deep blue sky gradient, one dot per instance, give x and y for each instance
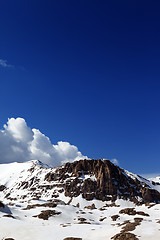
(87, 72)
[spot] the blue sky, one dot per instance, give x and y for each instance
(86, 72)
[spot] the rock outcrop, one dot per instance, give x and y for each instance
(102, 180)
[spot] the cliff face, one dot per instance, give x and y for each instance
(102, 180)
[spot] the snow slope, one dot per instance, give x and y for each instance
(27, 194)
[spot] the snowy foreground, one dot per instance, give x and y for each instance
(68, 217)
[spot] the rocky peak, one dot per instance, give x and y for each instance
(102, 180)
(92, 179)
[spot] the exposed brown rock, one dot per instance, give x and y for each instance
(131, 226)
(50, 177)
(2, 187)
(112, 205)
(50, 205)
(125, 236)
(47, 213)
(72, 238)
(102, 219)
(82, 219)
(91, 207)
(150, 195)
(8, 215)
(132, 211)
(128, 226)
(142, 213)
(71, 188)
(88, 189)
(12, 199)
(114, 217)
(9, 239)
(138, 220)
(124, 223)
(129, 211)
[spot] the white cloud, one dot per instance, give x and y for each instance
(19, 130)
(20, 143)
(3, 63)
(115, 161)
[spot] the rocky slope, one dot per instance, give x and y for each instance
(79, 200)
(99, 179)
(102, 180)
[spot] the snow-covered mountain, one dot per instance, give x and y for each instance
(86, 199)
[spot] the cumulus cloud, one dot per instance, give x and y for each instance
(20, 143)
(3, 63)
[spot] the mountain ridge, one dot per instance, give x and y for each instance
(86, 199)
(99, 179)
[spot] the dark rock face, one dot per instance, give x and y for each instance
(109, 179)
(150, 195)
(88, 189)
(106, 182)
(71, 188)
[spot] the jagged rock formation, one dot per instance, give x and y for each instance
(102, 180)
